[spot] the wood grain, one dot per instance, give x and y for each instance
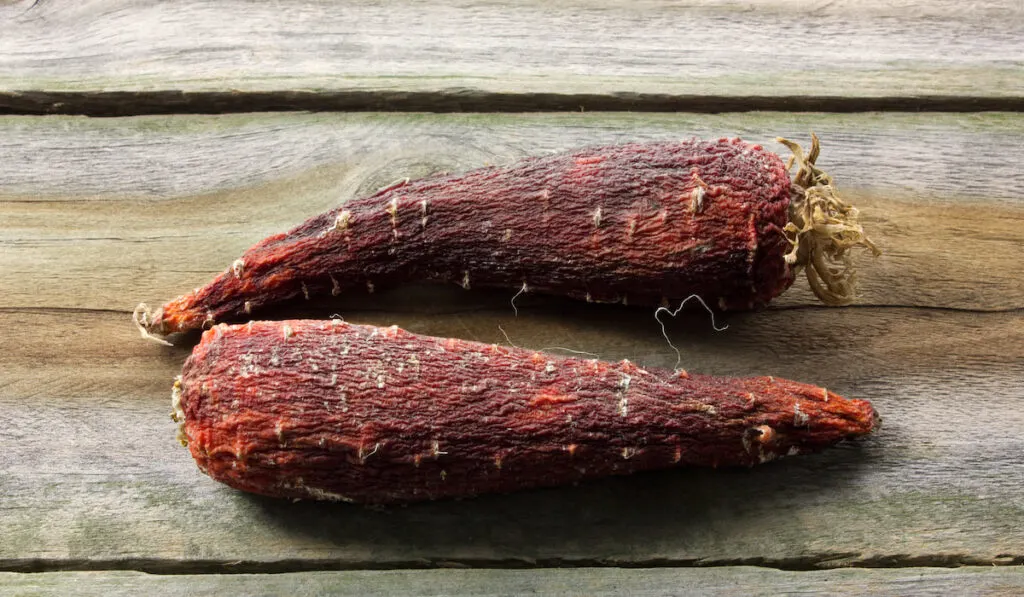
(99, 214)
(120, 56)
(725, 581)
(94, 478)
(96, 215)
(102, 214)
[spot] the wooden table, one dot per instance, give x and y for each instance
(235, 120)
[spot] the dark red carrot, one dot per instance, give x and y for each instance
(330, 410)
(640, 224)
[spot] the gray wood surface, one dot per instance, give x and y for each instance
(120, 56)
(96, 497)
(591, 582)
(100, 214)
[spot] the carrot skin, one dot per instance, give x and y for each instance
(330, 410)
(635, 223)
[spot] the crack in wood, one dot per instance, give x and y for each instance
(824, 561)
(130, 103)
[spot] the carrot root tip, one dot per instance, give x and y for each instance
(149, 323)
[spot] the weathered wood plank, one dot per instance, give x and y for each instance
(93, 476)
(457, 54)
(100, 214)
(592, 582)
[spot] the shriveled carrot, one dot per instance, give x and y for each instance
(639, 223)
(329, 410)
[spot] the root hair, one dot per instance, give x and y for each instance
(822, 229)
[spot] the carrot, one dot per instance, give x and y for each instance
(643, 224)
(330, 410)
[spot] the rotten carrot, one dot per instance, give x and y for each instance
(335, 411)
(643, 224)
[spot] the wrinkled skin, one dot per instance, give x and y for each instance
(640, 224)
(329, 410)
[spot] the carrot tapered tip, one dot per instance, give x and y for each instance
(149, 323)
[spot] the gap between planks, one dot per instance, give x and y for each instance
(807, 563)
(162, 102)
(463, 52)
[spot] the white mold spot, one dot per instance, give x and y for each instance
(321, 494)
(286, 331)
(249, 366)
(341, 222)
(238, 267)
(800, 418)
(697, 199)
(545, 196)
(625, 380)
(708, 409)
(392, 210)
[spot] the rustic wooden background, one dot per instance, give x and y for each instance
(234, 120)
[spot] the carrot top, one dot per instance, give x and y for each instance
(822, 229)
